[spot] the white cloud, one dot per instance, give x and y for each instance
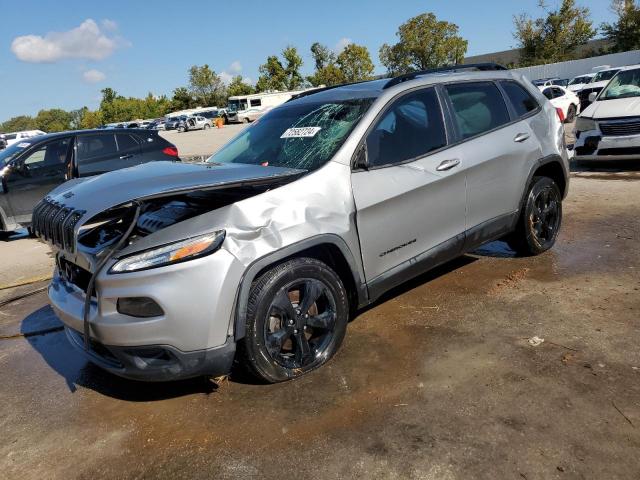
(86, 41)
(236, 67)
(343, 42)
(93, 76)
(109, 25)
(226, 77)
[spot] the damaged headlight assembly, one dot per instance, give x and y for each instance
(585, 124)
(172, 253)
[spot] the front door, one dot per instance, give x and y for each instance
(33, 176)
(411, 200)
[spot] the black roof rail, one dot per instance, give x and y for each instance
(480, 67)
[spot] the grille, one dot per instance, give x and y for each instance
(55, 223)
(622, 127)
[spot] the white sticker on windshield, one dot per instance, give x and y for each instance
(301, 132)
(24, 145)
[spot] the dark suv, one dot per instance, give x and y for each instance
(29, 169)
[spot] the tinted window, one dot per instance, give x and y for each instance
(48, 155)
(256, 103)
(477, 107)
(548, 92)
(410, 128)
(126, 142)
(522, 101)
(557, 93)
(94, 146)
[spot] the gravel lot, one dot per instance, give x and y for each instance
(435, 381)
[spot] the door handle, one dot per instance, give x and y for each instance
(521, 137)
(124, 157)
(448, 165)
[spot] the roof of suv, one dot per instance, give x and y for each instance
(375, 88)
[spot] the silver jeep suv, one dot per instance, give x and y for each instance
(260, 255)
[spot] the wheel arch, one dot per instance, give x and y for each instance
(330, 249)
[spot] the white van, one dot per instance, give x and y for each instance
(15, 137)
(247, 108)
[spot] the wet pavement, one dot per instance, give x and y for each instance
(435, 381)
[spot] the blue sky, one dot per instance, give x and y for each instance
(138, 47)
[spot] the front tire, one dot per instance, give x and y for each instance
(297, 317)
(540, 219)
(571, 114)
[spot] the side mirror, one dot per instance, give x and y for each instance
(592, 97)
(361, 161)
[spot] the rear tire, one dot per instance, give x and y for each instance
(297, 317)
(206, 126)
(540, 219)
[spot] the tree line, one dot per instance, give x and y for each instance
(423, 42)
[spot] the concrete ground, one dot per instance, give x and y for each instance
(438, 380)
(202, 142)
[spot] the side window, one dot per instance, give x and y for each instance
(410, 128)
(548, 92)
(92, 147)
(126, 142)
(522, 101)
(557, 93)
(50, 155)
(256, 102)
(477, 107)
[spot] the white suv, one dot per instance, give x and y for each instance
(609, 128)
(330, 200)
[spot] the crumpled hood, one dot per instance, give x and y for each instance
(158, 179)
(621, 107)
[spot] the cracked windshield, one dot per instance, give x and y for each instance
(303, 136)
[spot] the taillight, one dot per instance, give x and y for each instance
(171, 151)
(560, 114)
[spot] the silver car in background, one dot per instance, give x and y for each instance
(262, 254)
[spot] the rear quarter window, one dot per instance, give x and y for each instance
(521, 100)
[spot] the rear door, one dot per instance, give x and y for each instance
(129, 150)
(96, 153)
(498, 145)
(411, 198)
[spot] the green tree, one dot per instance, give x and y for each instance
(53, 120)
(293, 63)
(76, 117)
(326, 72)
(182, 99)
(239, 87)
(92, 119)
(625, 33)
(16, 124)
(424, 42)
(206, 87)
(553, 37)
(273, 75)
(355, 63)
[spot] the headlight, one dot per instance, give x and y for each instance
(181, 251)
(584, 124)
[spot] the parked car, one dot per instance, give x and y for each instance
(578, 83)
(319, 208)
(194, 122)
(15, 137)
(596, 85)
(609, 129)
(173, 123)
(3, 142)
(31, 168)
(545, 82)
(156, 125)
(563, 100)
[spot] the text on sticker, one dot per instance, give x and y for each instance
(301, 132)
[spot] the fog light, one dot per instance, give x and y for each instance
(142, 307)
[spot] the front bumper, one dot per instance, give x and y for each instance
(190, 338)
(593, 145)
(157, 363)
